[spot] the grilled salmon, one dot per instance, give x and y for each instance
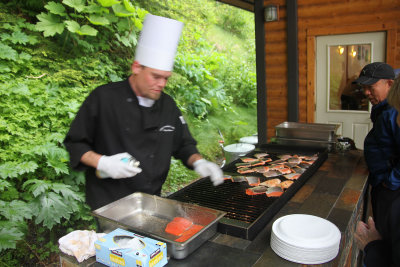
(276, 191)
(292, 176)
(271, 182)
(245, 170)
(253, 180)
(286, 184)
(271, 173)
(258, 190)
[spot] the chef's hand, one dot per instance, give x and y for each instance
(114, 167)
(207, 168)
(366, 233)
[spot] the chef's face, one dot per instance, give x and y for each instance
(149, 82)
(378, 91)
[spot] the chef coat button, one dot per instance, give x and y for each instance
(129, 99)
(127, 129)
(151, 156)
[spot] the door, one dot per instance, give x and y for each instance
(339, 60)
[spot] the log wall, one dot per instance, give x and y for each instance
(317, 18)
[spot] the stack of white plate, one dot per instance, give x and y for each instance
(305, 239)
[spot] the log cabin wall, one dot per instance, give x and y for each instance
(317, 18)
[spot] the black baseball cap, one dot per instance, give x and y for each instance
(373, 72)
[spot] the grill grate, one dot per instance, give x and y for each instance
(246, 214)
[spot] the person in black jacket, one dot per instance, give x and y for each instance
(135, 118)
(376, 80)
(382, 246)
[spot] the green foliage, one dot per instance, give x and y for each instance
(93, 26)
(52, 54)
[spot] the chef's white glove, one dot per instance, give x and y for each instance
(114, 167)
(207, 168)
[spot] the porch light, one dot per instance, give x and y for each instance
(271, 13)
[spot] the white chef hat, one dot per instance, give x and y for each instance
(158, 42)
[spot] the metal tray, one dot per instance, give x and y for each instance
(149, 215)
(312, 131)
(330, 145)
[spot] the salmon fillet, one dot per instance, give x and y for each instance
(253, 180)
(286, 184)
(189, 233)
(178, 226)
(258, 190)
(276, 191)
(272, 182)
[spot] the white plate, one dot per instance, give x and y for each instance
(305, 239)
(306, 231)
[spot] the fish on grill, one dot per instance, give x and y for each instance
(257, 190)
(243, 165)
(271, 182)
(292, 176)
(275, 191)
(294, 160)
(253, 180)
(238, 179)
(286, 184)
(261, 169)
(257, 163)
(245, 159)
(285, 170)
(261, 155)
(271, 173)
(245, 170)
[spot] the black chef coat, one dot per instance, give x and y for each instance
(111, 121)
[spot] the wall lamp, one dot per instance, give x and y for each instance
(271, 13)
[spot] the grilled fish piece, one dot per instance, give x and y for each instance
(243, 165)
(253, 180)
(286, 184)
(292, 176)
(245, 170)
(248, 159)
(284, 156)
(290, 165)
(285, 170)
(271, 173)
(238, 179)
(294, 160)
(261, 169)
(304, 165)
(275, 191)
(257, 163)
(258, 190)
(261, 155)
(278, 161)
(299, 170)
(271, 183)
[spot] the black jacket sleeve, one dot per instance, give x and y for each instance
(79, 138)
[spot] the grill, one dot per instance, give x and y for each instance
(247, 214)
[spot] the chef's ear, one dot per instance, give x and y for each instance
(136, 67)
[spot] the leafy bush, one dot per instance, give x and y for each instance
(52, 54)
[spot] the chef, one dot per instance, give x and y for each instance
(135, 118)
